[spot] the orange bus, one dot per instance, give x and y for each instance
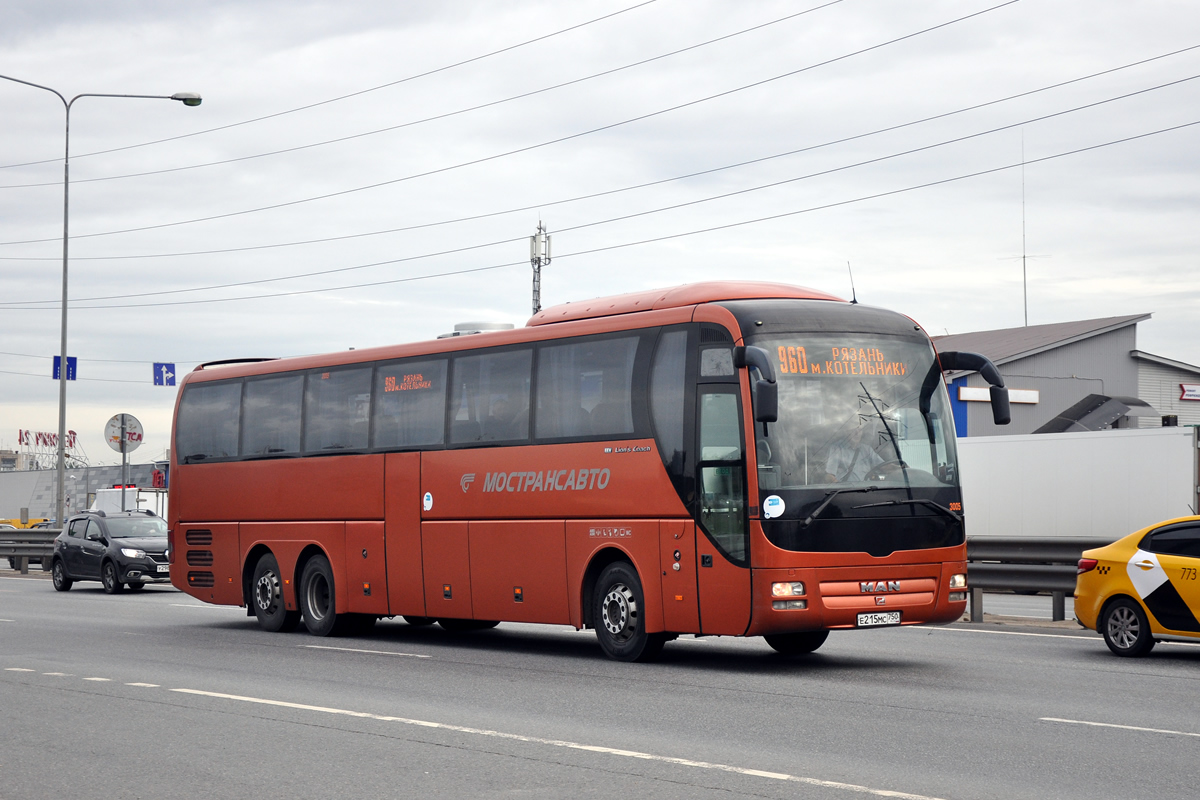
(731, 459)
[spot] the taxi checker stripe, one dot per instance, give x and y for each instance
(516, 737)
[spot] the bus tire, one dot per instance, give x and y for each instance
(618, 612)
(467, 625)
(318, 604)
(266, 592)
(795, 644)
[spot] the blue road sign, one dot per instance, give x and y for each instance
(164, 374)
(70, 367)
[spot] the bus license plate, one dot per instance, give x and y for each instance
(876, 618)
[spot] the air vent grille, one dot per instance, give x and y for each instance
(198, 537)
(202, 580)
(199, 558)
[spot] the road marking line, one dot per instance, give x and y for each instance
(684, 762)
(18, 669)
(59, 674)
(7, 620)
(1007, 633)
(1110, 725)
(146, 685)
(355, 650)
(105, 680)
(195, 605)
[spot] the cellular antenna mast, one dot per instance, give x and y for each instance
(539, 256)
(853, 296)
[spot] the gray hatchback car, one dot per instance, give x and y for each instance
(127, 548)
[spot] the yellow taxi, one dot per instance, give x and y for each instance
(1143, 588)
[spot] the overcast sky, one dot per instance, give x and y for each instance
(364, 173)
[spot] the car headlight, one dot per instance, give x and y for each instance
(129, 552)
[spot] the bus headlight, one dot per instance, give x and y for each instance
(958, 581)
(789, 589)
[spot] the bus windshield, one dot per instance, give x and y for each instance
(856, 410)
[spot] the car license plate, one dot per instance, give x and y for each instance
(876, 618)
(164, 567)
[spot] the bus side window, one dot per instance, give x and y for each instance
(586, 388)
(208, 421)
(271, 415)
(667, 389)
(336, 408)
(490, 397)
(410, 400)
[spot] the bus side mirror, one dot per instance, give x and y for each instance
(767, 407)
(1001, 414)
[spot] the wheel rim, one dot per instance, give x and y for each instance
(619, 612)
(317, 593)
(58, 573)
(1124, 627)
(266, 592)
(110, 575)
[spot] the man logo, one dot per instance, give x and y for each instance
(466, 481)
(870, 587)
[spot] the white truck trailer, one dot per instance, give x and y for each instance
(1102, 484)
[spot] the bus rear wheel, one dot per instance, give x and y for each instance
(266, 589)
(318, 604)
(795, 644)
(618, 612)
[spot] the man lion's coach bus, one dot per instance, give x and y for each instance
(728, 459)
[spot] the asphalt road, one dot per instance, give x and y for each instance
(155, 695)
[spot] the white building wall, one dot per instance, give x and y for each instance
(1159, 384)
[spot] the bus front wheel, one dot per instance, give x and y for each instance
(794, 644)
(618, 612)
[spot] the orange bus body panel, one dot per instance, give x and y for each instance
(609, 479)
(680, 596)
(317, 488)
(366, 568)
(519, 571)
(402, 524)
(446, 558)
(189, 573)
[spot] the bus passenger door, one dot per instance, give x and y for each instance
(722, 543)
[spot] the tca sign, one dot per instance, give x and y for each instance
(123, 433)
(1189, 391)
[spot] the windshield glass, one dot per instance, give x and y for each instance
(136, 527)
(856, 410)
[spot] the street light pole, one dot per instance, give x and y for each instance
(188, 99)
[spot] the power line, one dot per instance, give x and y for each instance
(436, 117)
(663, 238)
(609, 192)
(633, 215)
(528, 148)
(425, 74)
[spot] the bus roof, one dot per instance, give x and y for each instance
(689, 294)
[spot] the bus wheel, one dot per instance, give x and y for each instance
(317, 602)
(419, 622)
(794, 644)
(465, 625)
(267, 589)
(617, 612)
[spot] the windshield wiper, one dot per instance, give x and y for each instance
(829, 499)
(916, 502)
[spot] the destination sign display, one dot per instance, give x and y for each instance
(798, 359)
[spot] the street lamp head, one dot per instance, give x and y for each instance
(187, 98)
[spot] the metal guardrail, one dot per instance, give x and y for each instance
(23, 544)
(1020, 564)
